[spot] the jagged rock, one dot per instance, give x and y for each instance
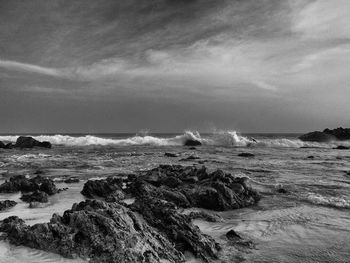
(72, 180)
(7, 204)
(102, 188)
(340, 133)
(36, 196)
(246, 155)
(171, 155)
(29, 142)
(215, 191)
(177, 227)
(21, 183)
(192, 142)
(96, 231)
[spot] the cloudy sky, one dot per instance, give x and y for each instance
(171, 65)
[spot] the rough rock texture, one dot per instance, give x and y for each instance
(193, 187)
(95, 230)
(2, 145)
(192, 142)
(102, 188)
(177, 227)
(327, 135)
(210, 217)
(29, 142)
(36, 196)
(171, 155)
(72, 180)
(21, 183)
(7, 204)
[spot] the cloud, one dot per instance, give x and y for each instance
(18, 66)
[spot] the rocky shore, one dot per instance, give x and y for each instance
(105, 228)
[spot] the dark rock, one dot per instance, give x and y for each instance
(36, 196)
(282, 191)
(232, 235)
(192, 142)
(246, 155)
(7, 204)
(311, 157)
(29, 142)
(210, 217)
(72, 180)
(177, 227)
(171, 155)
(2, 145)
(9, 145)
(96, 231)
(21, 183)
(327, 135)
(342, 147)
(215, 191)
(192, 148)
(102, 188)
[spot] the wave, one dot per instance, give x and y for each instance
(330, 201)
(218, 138)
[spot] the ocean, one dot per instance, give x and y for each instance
(309, 221)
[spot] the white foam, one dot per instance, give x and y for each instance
(332, 201)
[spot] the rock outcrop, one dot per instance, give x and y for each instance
(20, 183)
(96, 231)
(248, 155)
(36, 196)
(327, 135)
(30, 142)
(192, 142)
(7, 204)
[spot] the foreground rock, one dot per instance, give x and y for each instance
(7, 204)
(95, 230)
(249, 155)
(327, 135)
(21, 183)
(30, 142)
(342, 147)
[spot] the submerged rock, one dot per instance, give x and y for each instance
(30, 142)
(96, 231)
(72, 180)
(7, 204)
(171, 155)
(232, 235)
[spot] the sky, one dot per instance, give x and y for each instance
(172, 65)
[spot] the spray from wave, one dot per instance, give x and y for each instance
(218, 138)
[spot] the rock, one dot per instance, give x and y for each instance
(246, 155)
(36, 196)
(177, 227)
(21, 183)
(311, 157)
(95, 231)
(340, 133)
(72, 180)
(282, 190)
(232, 235)
(192, 148)
(2, 145)
(327, 135)
(7, 204)
(9, 145)
(198, 188)
(210, 217)
(30, 142)
(102, 188)
(171, 155)
(192, 142)
(342, 147)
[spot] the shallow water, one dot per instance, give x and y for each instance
(309, 223)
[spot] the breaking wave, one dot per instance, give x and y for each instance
(330, 201)
(220, 138)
